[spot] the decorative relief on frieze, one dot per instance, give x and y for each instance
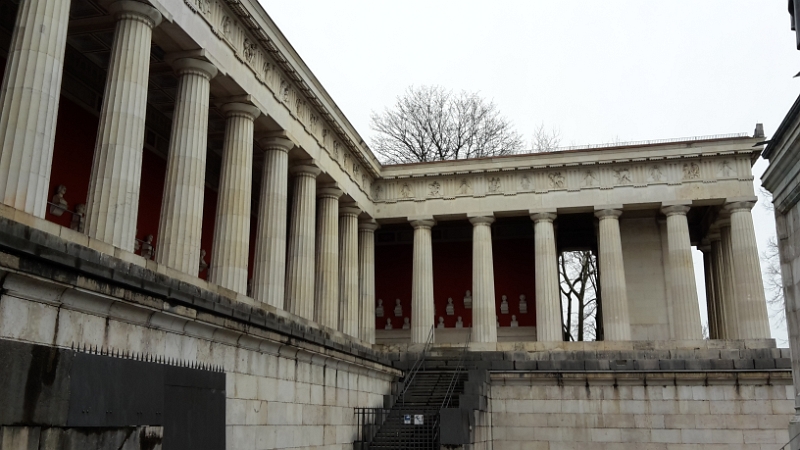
(590, 178)
(725, 170)
(201, 6)
(622, 175)
(248, 50)
(495, 186)
(655, 174)
(525, 182)
(691, 171)
(335, 150)
(434, 189)
(557, 180)
(227, 25)
(405, 190)
(464, 187)
(378, 192)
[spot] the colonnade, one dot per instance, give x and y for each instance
(317, 269)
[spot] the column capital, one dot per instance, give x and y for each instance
(277, 142)
(705, 245)
(368, 225)
(675, 209)
(183, 66)
(329, 190)
(543, 216)
(608, 213)
(349, 209)
(422, 222)
(240, 109)
(740, 206)
(135, 10)
(305, 169)
(481, 220)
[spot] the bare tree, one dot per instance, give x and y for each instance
(431, 123)
(771, 266)
(544, 140)
(579, 303)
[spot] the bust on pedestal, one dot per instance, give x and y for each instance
(523, 305)
(441, 322)
(406, 324)
(514, 322)
(398, 309)
(450, 310)
(504, 305)
(468, 300)
(388, 324)
(379, 308)
(459, 323)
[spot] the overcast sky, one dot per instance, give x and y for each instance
(624, 70)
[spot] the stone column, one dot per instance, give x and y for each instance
(711, 305)
(348, 270)
(326, 293)
(717, 275)
(181, 224)
(29, 97)
(685, 312)
(728, 300)
(112, 206)
(484, 313)
(229, 254)
(422, 281)
(548, 294)
(751, 302)
(301, 249)
(616, 321)
(269, 262)
(366, 279)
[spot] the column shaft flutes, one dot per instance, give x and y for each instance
(366, 279)
(717, 272)
(29, 100)
(484, 313)
(348, 270)
(229, 255)
(548, 294)
(616, 321)
(422, 282)
(269, 263)
(729, 309)
(326, 288)
(112, 207)
(301, 249)
(686, 312)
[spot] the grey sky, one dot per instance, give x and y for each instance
(598, 71)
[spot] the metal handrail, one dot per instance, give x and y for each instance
(460, 366)
(788, 444)
(417, 364)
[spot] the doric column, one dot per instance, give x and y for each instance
(366, 279)
(751, 301)
(229, 253)
(269, 262)
(484, 314)
(548, 295)
(616, 321)
(730, 314)
(181, 223)
(708, 273)
(422, 281)
(685, 311)
(348, 270)
(326, 293)
(301, 249)
(29, 97)
(717, 275)
(112, 206)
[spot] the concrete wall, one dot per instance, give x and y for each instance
(680, 411)
(644, 275)
(47, 438)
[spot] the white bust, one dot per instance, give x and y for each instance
(388, 324)
(459, 323)
(59, 204)
(504, 305)
(468, 300)
(441, 322)
(379, 308)
(450, 310)
(147, 247)
(78, 218)
(398, 309)
(523, 305)
(203, 265)
(406, 323)
(514, 322)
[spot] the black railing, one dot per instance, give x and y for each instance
(456, 375)
(369, 421)
(418, 364)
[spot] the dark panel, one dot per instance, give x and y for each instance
(195, 409)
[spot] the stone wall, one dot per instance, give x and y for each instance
(641, 411)
(55, 438)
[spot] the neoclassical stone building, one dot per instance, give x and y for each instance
(182, 199)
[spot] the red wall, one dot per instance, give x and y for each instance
(452, 277)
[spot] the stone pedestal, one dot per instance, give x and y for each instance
(484, 314)
(326, 293)
(29, 100)
(614, 295)
(269, 262)
(301, 249)
(112, 207)
(751, 302)
(366, 279)
(348, 270)
(229, 254)
(685, 307)
(548, 295)
(181, 223)
(422, 284)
